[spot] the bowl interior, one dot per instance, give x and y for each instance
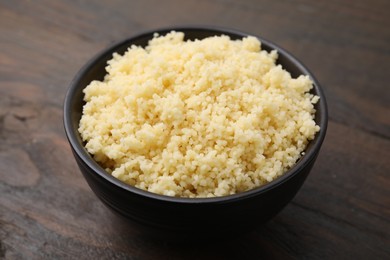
(95, 70)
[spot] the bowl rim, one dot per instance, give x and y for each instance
(81, 152)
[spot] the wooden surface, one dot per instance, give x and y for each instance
(47, 211)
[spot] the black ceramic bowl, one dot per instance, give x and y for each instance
(204, 217)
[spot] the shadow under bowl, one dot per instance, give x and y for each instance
(166, 216)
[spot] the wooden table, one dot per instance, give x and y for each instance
(47, 211)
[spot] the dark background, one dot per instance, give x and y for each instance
(48, 211)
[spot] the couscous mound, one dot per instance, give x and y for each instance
(200, 118)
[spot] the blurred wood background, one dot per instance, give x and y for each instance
(47, 211)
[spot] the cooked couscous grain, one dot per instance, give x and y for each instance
(201, 118)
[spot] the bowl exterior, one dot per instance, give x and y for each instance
(188, 217)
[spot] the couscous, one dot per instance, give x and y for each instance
(200, 118)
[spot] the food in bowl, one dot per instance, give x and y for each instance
(197, 118)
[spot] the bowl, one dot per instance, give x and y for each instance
(188, 217)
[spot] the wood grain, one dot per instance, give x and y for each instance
(47, 211)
